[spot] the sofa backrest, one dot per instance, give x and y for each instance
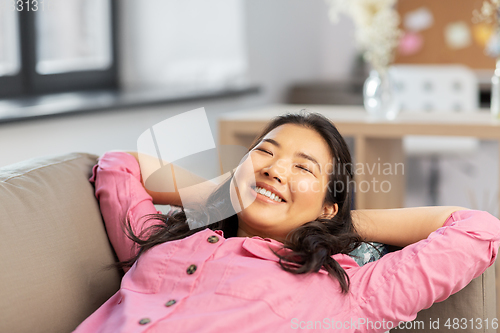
(54, 251)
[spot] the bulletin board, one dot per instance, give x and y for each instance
(442, 32)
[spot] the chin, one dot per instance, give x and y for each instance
(257, 220)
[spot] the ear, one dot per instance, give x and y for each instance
(329, 211)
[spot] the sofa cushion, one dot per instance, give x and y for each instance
(53, 245)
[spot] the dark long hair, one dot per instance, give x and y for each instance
(311, 245)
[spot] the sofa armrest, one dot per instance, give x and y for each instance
(477, 301)
(55, 251)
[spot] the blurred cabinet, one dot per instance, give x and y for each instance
(348, 92)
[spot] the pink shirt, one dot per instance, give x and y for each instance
(238, 286)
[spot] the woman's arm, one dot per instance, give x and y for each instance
(160, 198)
(121, 197)
(196, 194)
(400, 227)
(401, 283)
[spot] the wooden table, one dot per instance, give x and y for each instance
(376, 142)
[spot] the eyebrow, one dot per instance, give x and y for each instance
(273, 142)
(298, 154)
(310, 158)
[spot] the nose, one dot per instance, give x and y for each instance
(273, 173)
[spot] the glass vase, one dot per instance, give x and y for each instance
(495, 92)
(379, 95)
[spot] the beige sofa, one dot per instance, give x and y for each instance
(54, 252)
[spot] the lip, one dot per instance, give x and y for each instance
(265, 199)
(272, 189)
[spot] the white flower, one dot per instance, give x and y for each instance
(364, 12)
(488, 13)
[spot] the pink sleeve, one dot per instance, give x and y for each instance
(402, 283)
(120, 193)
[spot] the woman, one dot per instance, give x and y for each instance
(281, 263)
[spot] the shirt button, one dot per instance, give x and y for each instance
(144, 321)
(170, 303)
(213, 239)
(191, 269)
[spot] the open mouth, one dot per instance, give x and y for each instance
(267, 193)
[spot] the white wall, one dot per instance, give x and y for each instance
(338, 49)
(188, 42)
(293, 41)
(287, 41)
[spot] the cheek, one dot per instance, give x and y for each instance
(309, 189)
(244, 173)
(244, 177)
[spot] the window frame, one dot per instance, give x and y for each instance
(27, 82)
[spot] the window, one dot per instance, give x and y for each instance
(9, 43)
(49, 46)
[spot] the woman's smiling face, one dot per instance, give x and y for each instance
(294, 163)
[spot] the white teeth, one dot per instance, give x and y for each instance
(268, 194)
